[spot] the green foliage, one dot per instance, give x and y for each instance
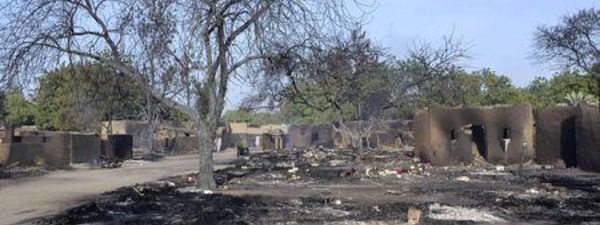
(18, 110)
(477, 88)
(551, 92)
(294, 113)
(252, 117)
(498, 89)
(78, 97)
(578, 98)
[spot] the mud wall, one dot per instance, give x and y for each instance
(422, 132)
(233, 140)
(269, 141)
(451, 135)
(4, 154)
(305, 136)
(22, 154)
(35, 149)
(383, 134)
(56, 150)
(117, 146)
(555, 136)
(322, 135)
(299, 136)
(137, 129)
(587, 137)
(179, 145)
(84, 148)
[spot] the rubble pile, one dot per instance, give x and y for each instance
(321, 164)
(326, 186)
(4, 174)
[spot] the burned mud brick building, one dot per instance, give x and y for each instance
(306, 136)
(137, 129)
(500, 134)
(273, 140)
(268, 136)
(569, 135)
(555, 140)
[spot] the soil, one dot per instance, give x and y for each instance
(22, 172)
(322, 186)
(30, 197)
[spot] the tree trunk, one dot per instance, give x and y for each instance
(597, 78)
(359, 151)
(149, 140)
(595, 71)
(205, 178)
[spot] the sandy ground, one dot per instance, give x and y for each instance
(27, 198)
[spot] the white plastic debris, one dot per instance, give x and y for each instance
(457, 213)
(293, 170)
(170, 184)
(463, 179)
(195, 190)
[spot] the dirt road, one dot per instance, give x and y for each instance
(28, 198)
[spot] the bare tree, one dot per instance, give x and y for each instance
(354, 79)
(572, 44)
(425, 64)
(194, 46)
(341, 78)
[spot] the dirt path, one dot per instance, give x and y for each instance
(33, 197)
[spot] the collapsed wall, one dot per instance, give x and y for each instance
(386, 133)
(500, 134)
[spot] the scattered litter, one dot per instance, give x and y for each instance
(392, 192)
(414, 216)
(457, 213)
(463, 179)
(193, 189)
(293, 170)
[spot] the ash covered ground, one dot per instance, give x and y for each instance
(325, 186)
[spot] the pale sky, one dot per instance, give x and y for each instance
(499, 32)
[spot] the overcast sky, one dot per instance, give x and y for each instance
(499, 32)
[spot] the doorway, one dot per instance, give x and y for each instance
(478, 138)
